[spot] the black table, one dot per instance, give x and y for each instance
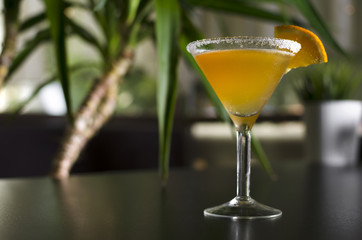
(317, 203)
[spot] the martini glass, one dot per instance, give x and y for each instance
(243, 72)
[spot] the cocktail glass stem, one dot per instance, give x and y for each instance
(243, 206)
(243, 141)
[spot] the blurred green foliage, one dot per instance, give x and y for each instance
(335, 80)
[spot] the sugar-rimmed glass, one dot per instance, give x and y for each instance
(243, 71)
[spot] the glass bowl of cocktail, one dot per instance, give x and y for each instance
(243, 72)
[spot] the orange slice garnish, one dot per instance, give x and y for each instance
(312, 50)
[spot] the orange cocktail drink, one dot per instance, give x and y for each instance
(244, 79)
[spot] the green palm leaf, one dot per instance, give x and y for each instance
(241, 7)
(46, 82)
(32, 21)
(132, 10)
(86, 36)
(55, 14)
(29, 47)
(167, 34)
(23, 104)
(309, 12)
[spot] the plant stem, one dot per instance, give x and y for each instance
(11, 33)
(92, 115)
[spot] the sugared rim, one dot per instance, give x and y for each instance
(247, 42)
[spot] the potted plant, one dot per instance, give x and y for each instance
(332, 114)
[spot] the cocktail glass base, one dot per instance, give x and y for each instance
(243, 208)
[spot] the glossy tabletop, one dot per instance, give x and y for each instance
(317, 203)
